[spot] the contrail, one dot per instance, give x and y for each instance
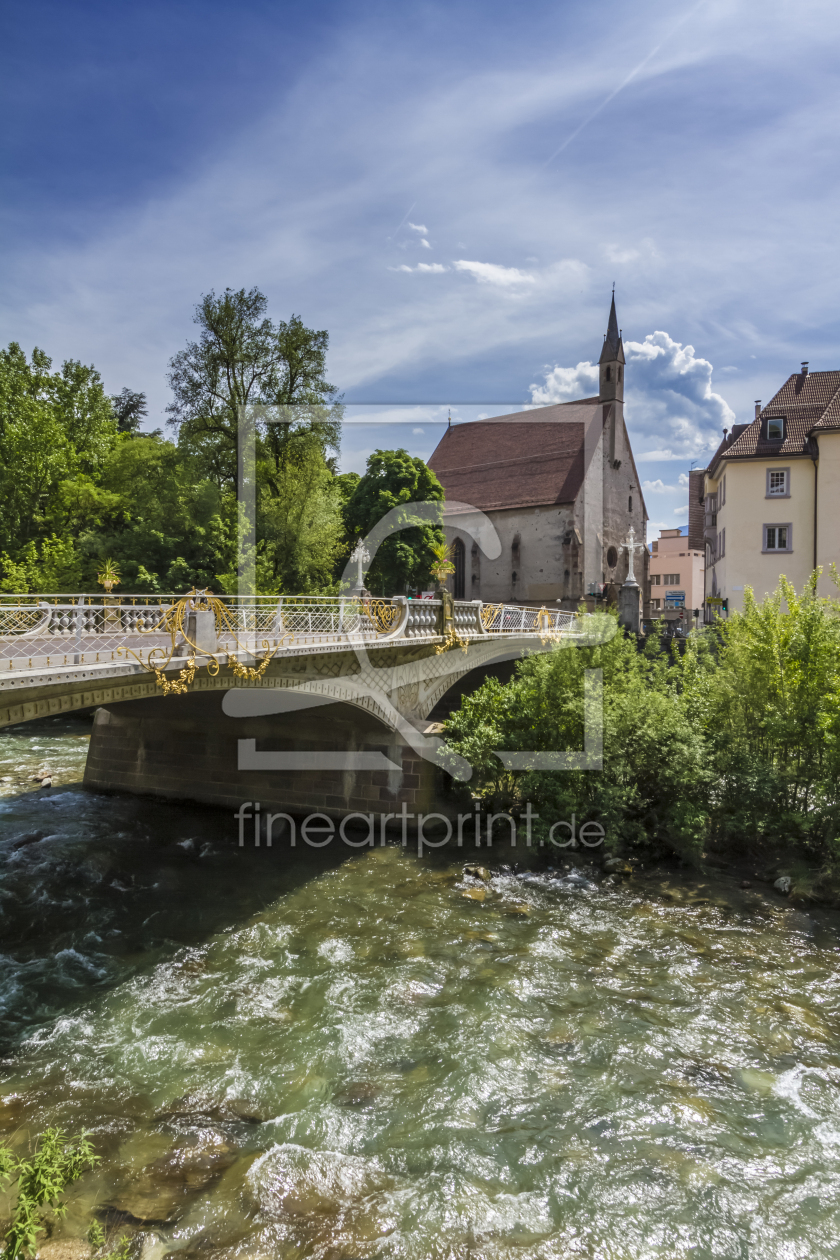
(616, 91)
(405, 216)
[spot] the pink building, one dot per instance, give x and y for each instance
(676, 576)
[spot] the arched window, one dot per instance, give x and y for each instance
(459, 560)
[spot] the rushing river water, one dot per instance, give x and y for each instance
(357, 1054)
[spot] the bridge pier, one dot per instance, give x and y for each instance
(186, 748)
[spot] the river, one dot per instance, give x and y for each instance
(364, 1054)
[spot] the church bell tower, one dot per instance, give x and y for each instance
(611, 364)
(611, 381)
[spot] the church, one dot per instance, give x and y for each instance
(560, 487)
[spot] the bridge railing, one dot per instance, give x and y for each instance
(40, 632)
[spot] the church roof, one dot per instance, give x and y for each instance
(524, 459)
(809, 402)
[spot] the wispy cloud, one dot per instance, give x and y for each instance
(435, 268)
(493, 273)
(419, 227)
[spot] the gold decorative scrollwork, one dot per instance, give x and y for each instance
(452, 640)
(382, 614)
(173, 623)
(489, 613)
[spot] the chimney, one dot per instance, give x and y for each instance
(805, 368)
(757, 408)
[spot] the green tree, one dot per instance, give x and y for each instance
(130, 409)
(53, 426)
(395, 479)
(242, 360)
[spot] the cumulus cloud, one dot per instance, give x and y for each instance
(418, 227)
(425, 243)
(683, 479)
(671, 408)
(493, 273)
(681, 511)
(435, 268)
(657, 487)
(562, 384)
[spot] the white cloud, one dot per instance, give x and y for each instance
(418, 431)
(435, 268)
(418, 227)
(493, 273)
(681, 511)
(657, 487)
(562, 384)
(616, 255)
(671, 409)
(683, 479)
(425, 243)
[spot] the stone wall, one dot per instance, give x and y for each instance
(186, 748)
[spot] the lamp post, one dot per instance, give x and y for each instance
(360, 555)
(630, 594)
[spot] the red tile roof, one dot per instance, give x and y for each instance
(517, 460)
(808, 402)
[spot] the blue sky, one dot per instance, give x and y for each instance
(449, 189)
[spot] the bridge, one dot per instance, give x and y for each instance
(305, 703)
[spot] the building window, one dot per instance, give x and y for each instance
(656, 603)
(723, 491)
(778, 538)
(629, 503)
(608, 377)
(619, 373)
(654, 579)
(776, 429)
(778, 483)
(459, 560)
(670, 579)
(612, 557)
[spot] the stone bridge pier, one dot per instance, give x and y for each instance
(324, 733)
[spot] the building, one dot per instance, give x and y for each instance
(676, 575)
(770, 494)
(560, 487)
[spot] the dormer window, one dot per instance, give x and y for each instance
(776, 429)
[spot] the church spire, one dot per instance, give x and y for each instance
(611, 363)
(612, 327)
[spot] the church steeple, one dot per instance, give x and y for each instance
(611, 363)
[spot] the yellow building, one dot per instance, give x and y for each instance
(771, 495)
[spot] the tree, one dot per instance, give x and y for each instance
(395, 479)
(242, 360)
(130, 409)
(53, 426)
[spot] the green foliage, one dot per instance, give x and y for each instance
(96, 1236)
(653, 784)
(735, 743)
(240, 363)
(395, 479)
(42, 1180)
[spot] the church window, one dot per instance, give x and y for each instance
(612, 557)
(629, 503)
(608, 373)
(459, 560)
(619, 373)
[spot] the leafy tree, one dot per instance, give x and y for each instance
(395, 479)
(242, 360)
(130, 409)
(53, 426)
